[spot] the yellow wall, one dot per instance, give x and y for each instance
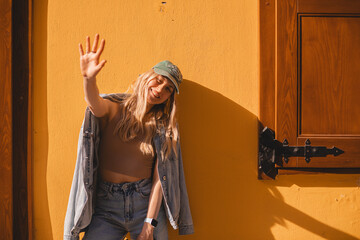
(216, 45)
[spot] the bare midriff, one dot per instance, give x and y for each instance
(121, 161)
(114, 177)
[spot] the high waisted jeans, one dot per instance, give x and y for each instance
(122, 208)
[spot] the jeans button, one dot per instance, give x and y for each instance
(164, 178)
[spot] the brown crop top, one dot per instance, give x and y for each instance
(122, 157)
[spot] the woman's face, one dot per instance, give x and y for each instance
(159, 90)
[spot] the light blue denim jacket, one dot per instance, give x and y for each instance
(81, 200)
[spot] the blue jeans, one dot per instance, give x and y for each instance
(122, 208)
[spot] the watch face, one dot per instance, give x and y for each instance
(154, 222)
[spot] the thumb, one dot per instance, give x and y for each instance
(100, 65)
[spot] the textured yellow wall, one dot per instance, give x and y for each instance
(216, 45)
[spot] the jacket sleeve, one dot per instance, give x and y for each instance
(185, 218)
(71, 216)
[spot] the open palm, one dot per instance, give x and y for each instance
(89, 62)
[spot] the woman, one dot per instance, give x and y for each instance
(129, 151)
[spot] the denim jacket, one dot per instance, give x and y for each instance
(81, 200)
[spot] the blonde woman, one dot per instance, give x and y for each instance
(129, 175)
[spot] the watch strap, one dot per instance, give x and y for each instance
(152, 221)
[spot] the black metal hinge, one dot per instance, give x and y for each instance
(272, 152)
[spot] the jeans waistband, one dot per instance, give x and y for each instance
(126, 186)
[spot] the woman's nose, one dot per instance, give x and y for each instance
(160, 88)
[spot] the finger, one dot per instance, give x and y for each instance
(101, 48)
(87, 44)
(95, 43)
(81, 51)
(100, 65)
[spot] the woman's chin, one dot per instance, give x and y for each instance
(150, 101)
(153, 100)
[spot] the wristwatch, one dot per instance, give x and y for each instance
(152, 221)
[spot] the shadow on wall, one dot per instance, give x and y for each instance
(219, 147)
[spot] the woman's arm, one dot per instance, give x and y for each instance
(98, 106)
(90, 67)
(154, 205)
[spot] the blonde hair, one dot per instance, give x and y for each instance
(135, 121)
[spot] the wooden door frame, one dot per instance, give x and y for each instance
(267, 63)
(15, 120)
(6, 196)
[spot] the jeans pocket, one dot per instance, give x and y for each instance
(145, 192)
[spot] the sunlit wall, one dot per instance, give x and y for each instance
(216, 45)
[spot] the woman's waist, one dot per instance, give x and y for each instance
(122, 176)
(126, 184)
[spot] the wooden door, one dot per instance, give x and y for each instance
(15, 120)
(316, 81)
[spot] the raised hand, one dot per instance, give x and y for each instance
(89, 62)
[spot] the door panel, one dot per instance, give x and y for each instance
(330, 68)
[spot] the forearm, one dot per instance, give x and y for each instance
(154, 206)
(92, 98)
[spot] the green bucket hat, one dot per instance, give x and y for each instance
(171, 71)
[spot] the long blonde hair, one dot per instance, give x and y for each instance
(135, 121)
